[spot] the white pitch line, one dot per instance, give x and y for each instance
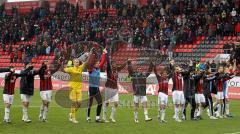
(233, 133)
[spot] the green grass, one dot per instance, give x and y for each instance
(59, 124)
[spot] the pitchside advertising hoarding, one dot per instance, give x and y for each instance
(60, 81)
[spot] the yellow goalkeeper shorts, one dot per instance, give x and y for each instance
(75, 95)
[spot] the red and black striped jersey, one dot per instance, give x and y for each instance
(220, 81)
(10, 80)
(200, 86)
(163, 84)
(177, 82)
(219, 84)
(45, 80)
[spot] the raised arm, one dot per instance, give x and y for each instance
(103, 59)
(42, 69)
(24, 72)
(109, 69)
(84, 57)
(198, 76)
(170, 75)
(189, 69)
(234, 65)
(209, 78)
(185, 72)
(55, 68)
(220, 76)
(121, 67)
(229, 76)
(7, 76)
(155, 71)
(150, 68)
(34, 72)
(4, 70)
(130, 69)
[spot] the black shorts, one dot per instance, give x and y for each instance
(93, 91)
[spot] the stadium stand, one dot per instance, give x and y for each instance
(195, 30)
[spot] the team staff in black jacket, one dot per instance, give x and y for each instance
(27, 89)
(8, 91)
(139, 80)
(209, 87)
(189, 90)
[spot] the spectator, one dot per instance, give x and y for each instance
(170, 51)
(15, 56)
(48, 50)
(234, 12)
(162, 23)
(12, 57)
(19, 56)
(226, 48)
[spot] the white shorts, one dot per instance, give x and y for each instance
(8, 98)
(46, 95)
(111, 95)
(220, 96)
(199, 98)
(226, 96)
(178, 97)
(139, 99)
(25, 97)
(162, 98)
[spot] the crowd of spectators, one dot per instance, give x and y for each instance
(161, 25)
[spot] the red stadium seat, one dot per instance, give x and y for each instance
(225, 37)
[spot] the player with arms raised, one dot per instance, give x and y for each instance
(8, 91)
(45, 74)
(139, 80)
(163, 79)
(94, 83)
(111, 90)
(75, 84)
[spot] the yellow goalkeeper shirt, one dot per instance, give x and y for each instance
(75, 76)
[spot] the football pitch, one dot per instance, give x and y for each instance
(58, 120)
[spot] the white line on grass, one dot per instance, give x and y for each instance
(233, 133)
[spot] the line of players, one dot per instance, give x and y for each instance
(27, 89)
(189, 86)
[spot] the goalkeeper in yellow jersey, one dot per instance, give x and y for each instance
(75, 85)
